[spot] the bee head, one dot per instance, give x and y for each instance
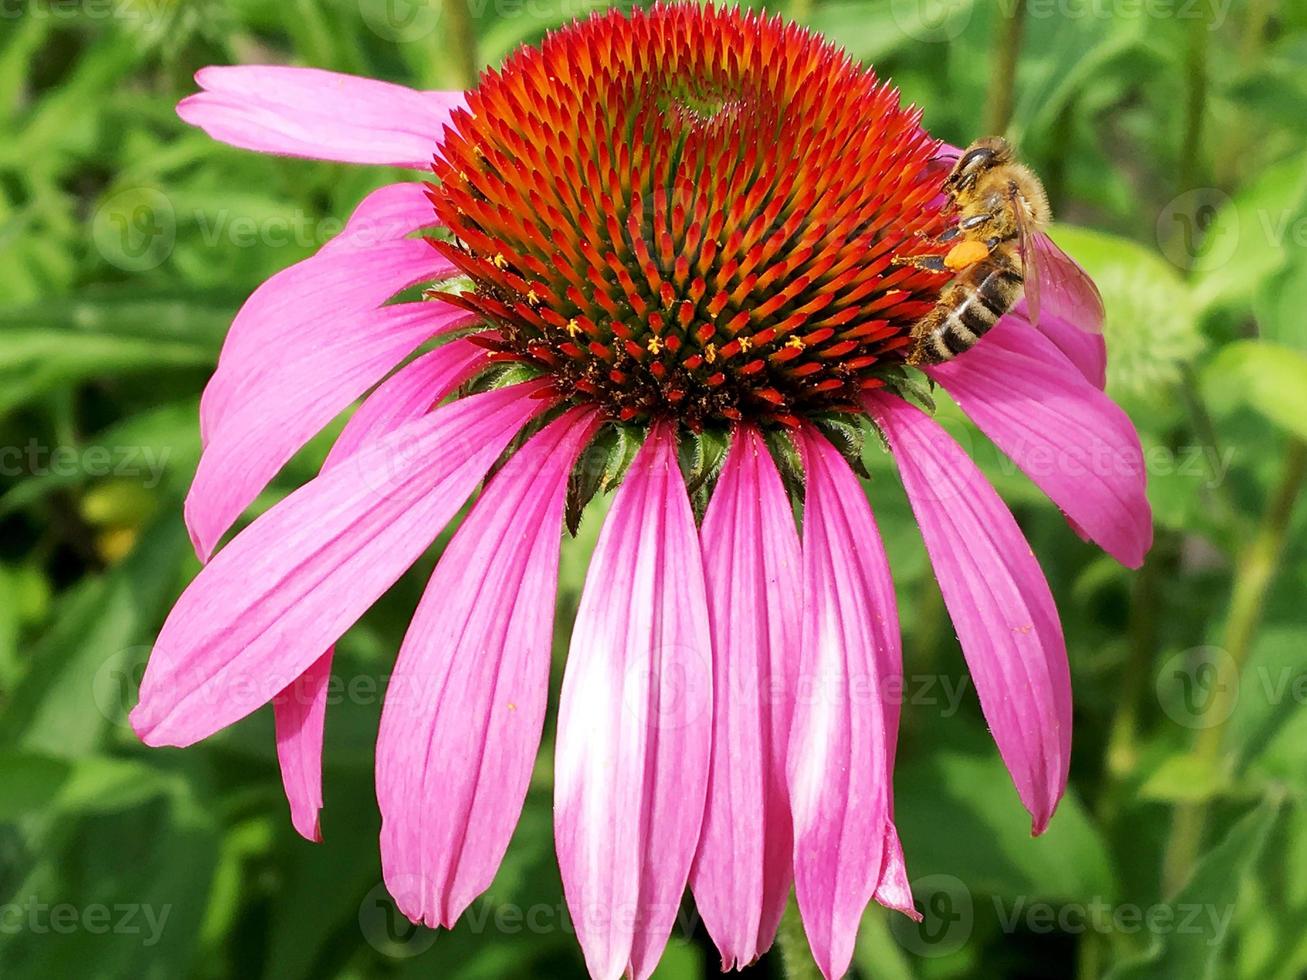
(980, 156)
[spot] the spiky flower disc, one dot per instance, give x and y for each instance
(690, 213)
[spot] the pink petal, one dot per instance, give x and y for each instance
(323, 115)
(300, 710)
(1087, 351)
(1000, 603)
(742, 872)
(846, 718)
(292, 582)
(634, 722)
(301, 395)
(356, 272)
(466, 702)
(388, 214)
(1066, 435)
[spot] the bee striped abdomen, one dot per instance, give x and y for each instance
(967, 309)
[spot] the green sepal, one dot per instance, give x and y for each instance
(788, 462)
(504, 375)
(600, 467)
(701, 455)
(910, 384)
(848, 435)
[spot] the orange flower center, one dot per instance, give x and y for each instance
(690, 213)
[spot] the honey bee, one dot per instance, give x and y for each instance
(1000, 254)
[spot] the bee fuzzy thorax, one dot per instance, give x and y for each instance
(998, 205)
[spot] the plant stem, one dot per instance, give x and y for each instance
(793, 943)
(1122, 754)
(1254, 572)
(1002, 83)
(1195, 108)
(461, 39)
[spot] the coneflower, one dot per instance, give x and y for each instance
(661, 259)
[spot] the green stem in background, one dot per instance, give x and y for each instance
(310, 28)
(1205, 430)
(1235, 140)
(461, 41)
(1122, 752)
(1254, 571)
(800, 10)
(1195, 106)
(793, 943)
(1002, 83)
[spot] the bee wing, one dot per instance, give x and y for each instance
(1069, 292)
(1031, 273)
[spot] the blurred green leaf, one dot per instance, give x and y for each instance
(1268, 378)
(84, 673)
(960, 815)
(1236, 245)
(1194, 951)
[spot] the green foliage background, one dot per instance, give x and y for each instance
(1171, 134)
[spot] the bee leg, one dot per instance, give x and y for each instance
(932, 263)
(976, 220)
(943, 238)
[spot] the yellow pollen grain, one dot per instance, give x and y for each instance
(500, 261)
(573, 328)
(654, 346)
(710, 353)
(532, 297)
(796, 342)
(745, 343)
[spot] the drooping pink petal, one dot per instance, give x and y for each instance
(302, 394)
(465, 705)
(998, 599)
(846, 716)
(292, 582)
(322, 115)
(635, 721)
(1087, 351)
(300, 709)
(742, 872)
(1076, 444)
